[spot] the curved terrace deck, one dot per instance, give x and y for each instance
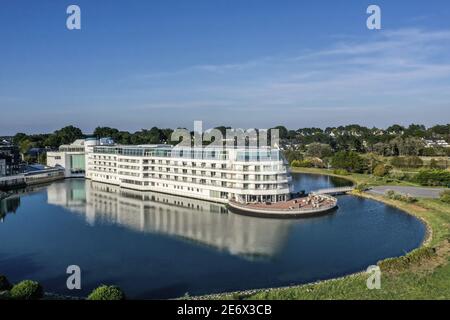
(295, 208)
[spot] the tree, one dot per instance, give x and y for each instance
(105, 292)
(395, 129)
(106, 132)
(24, 147)
(415, 130)
(68, 134)
(382, 149)
(52, 141)
(348, 160)
(433, 177)
(319, 150)
(409, 146)
(380, 170)
(18, 138)
(292, 155)
(283, 132)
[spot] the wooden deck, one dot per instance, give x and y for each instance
(299, 207)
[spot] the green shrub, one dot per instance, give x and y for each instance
(302, 163)
(292, 155)
(433, 177)
(27, 290)
(361, 187)
(408, 198)
(414, 162)
(398, 162)
(380, 170)
(4, 283)
(445, 196)
(397, 175)
(407, 162)
(391, 194)
(341, 172)
(105, 292)
(350, 161)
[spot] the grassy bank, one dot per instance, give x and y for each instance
(357, 178)
(423, 273)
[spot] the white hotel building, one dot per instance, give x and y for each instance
(213, 174)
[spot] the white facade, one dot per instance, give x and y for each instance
(436, 143)
(245, 175)
(71, 158)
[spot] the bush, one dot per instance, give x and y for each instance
(408, 198)
(380, 170)
(27, 290)
(397, 175)
(341, 172)
(361, 187)
(107, 293)
(4, 283)
(414, 162)
(391, 194)
(292, 155)
(398, 162)
(350, 161)
(407, 162)
(302, 163)
(445, 196)
(433, 177)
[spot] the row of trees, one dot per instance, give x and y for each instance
(312, 142)
(69, 134)
(393, 141)
(413, 130)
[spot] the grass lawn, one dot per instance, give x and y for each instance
(424, 273)
(357, 178)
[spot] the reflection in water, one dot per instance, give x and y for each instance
(9, 205)
(195, 220)
(131, 239)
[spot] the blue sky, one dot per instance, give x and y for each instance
(247, 63)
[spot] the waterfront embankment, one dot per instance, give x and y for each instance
(423, 273)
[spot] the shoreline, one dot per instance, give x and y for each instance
(426, 242)
(247, 293)
(428, 229)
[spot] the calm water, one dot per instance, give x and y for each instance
(160, 246)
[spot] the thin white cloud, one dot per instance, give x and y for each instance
(402, 67)
(392, 76)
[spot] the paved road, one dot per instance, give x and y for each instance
(413, 191)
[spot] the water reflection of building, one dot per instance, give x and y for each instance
(195, 220)
(9, 205)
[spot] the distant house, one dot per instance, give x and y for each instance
(379, 132)
(436, 144)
